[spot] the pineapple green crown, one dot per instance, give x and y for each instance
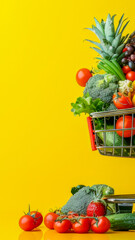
(111, 40)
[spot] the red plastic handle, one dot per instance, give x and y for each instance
(92, 136)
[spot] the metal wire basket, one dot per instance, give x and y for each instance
(113, 147)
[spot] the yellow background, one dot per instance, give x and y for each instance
(44, 149)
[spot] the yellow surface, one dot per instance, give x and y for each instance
(52, 235)
(44, 149)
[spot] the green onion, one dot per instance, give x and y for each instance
(112, 67)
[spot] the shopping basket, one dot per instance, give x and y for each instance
(108, 145)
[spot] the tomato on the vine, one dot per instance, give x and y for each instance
(130, 76)
(101, 226)
(30, 220)
(127, 124)
(121, 101)
(72, 214)
(49, 220)
(38, 217)
(27, 223)
(62, 226)
(82, 76)
(82, 226)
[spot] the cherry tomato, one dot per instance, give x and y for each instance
(124, 50)
(96, 209)
(49, 220)
(82, 76)
(83, 226)
(127, 124)
(38, 218)
(130, 75)
(72, 214)
(126, 69)
(102, 226)
(62, 226)
(122, 102)
(27, 223)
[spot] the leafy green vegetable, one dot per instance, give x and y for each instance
(79, 202)
(113, 139)
(76, 189)
(85, 105)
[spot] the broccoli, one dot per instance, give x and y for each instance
(79, 202)
(102, 87)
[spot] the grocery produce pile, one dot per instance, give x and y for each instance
(114, 87)
(85, 211)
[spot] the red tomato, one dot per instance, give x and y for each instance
(27, 223)
(126, 69)
(124, 50)
(127, 124)
(83, 226)
(83, 76)
(130, 75)
(72, 214)
(62, 227)
(102, 226)
(38, 218)
(96, 209)
(122, 102)
(49, 220)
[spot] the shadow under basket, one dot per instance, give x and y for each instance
(106, 138)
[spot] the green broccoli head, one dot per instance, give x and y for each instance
(102, 87)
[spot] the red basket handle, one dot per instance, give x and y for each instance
(92, 136)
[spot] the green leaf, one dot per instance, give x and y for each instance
(115, 55)
(119, 25)
(98, 33)
(124, 38)
(124, 27)
(98, 51)
(113, 18)
(116, 41)
(99, 26)
(109, 29)
(85, 105)
(96, 43)
(120, 48)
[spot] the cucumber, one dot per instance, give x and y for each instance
(122, 221)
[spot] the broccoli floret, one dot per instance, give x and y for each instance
(102, 87)
(79, 202)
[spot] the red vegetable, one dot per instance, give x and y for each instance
(62, 226)
(96, 209)
(122, 102)
(27, 223)
(49, 220)
(30, 220)
(126, 69)
(72, 214)
(130, 75)
(127, 124)
(38, 218)
(124, 50)
(101, 226)
(83, 226)
(83, 76)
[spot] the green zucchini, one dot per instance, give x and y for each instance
(122, 221)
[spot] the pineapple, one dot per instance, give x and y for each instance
(111, 40)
